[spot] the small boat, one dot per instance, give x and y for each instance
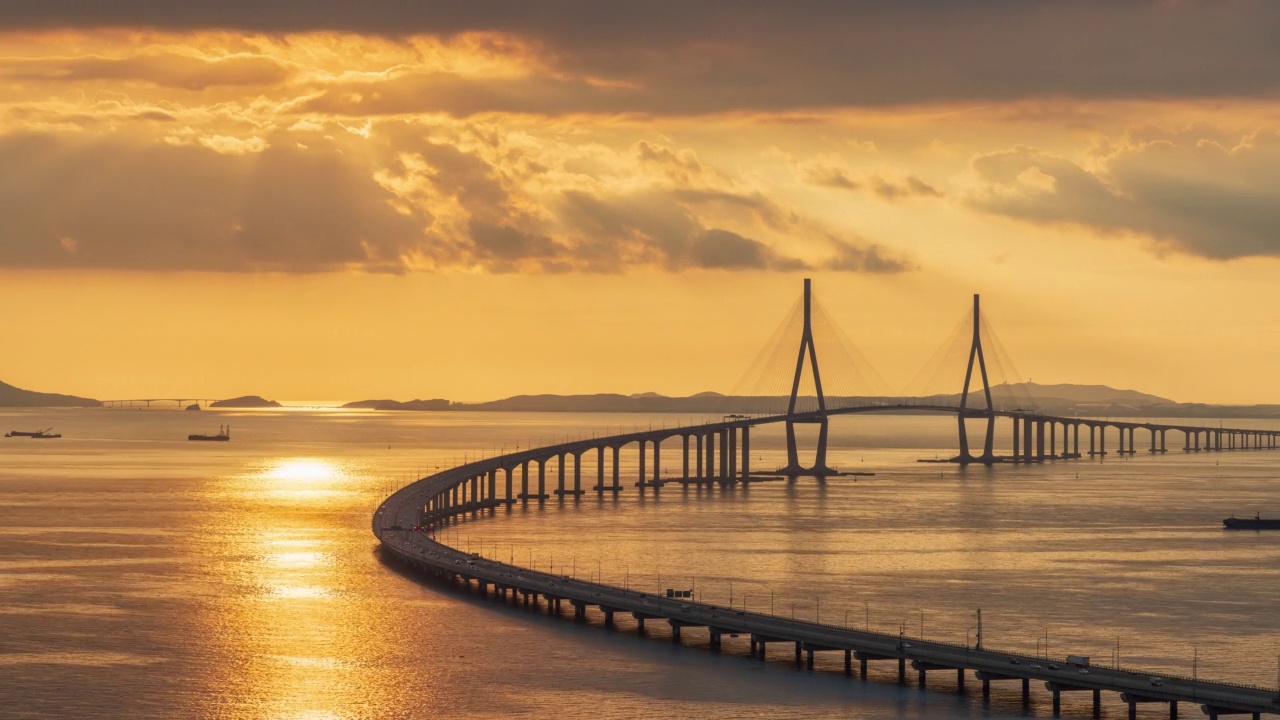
(46, 436)
(224, 434)
(24, 433)
(1257, 522)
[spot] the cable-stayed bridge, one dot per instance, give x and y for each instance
(720, 453)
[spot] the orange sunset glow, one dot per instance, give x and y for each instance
(466, 204)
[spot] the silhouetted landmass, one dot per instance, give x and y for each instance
(397, 405)
(245, 401)
(11, 396)
(1065, 400)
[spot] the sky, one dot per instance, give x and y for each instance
(472, 200)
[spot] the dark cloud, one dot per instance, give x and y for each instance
(504, 242)
(827, 175)
(162, 69)
(664, 56)
(725, 250)
(71, 203)
(1195, 191)
(864, 258)
(661, 226)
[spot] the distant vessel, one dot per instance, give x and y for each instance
(46, 436)
(1257, 522)
(224, 434)
(23, 433)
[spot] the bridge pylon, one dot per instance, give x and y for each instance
(819, 418)
(975, 353)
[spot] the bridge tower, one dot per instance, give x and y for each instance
(975, 352)
(819, 418)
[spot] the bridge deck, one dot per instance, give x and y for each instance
(423, 553)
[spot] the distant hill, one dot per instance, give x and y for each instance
(245, 401)
(1062, 399)
(397, 405)
(1063, 395)
(11, 396)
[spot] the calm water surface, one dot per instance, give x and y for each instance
(144, 576)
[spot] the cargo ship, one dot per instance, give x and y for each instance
(1257, 522)
(37, 434)
(224, 434)
(24, 433)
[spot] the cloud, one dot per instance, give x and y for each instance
(832, 175)
(665, 56)
(395, 197)
(1195, 191)
(169, 70)
(112, 204)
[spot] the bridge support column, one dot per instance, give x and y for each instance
(1040, 441)
(1122, 430)
(560, 473)
(542, 480)
(617, 471)
(493, 484)
(902, 671)
(600, 470)
(1017, 450)
(657, 462)
(746, 452)
(641, 482)
(698, 462)
(1162, 444)
(710, 457)
(577, 474)
(1026, 691)
(726, 455)
(1102, 440)
(1026, 439)
(732, 465)
(684, 444)
(509, 496)
(848, 662)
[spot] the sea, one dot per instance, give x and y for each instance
(146, 576)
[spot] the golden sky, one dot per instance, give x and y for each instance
(494, 198)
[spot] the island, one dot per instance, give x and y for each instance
(11, 396)
(245, 401)
(398, 405)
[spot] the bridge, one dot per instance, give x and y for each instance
(719, 453)
(146, 402)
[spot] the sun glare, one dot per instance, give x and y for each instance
(302, 469)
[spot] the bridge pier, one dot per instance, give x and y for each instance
(640, 484)
(657, 462)
(684, 444)
(746, 452)
(698, 456)
(1017, 450)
